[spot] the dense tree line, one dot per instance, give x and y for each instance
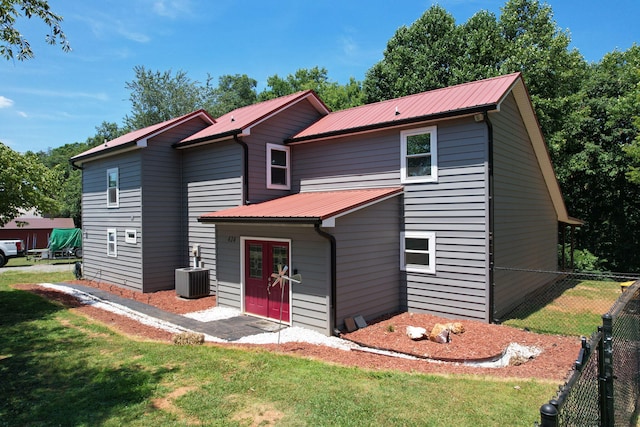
(588, 112)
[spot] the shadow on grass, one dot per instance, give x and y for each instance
(54, 374)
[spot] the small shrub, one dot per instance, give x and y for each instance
(391, 327)
(188, 338)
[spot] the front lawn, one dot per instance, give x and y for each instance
(60, 368)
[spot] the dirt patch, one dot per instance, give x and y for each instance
(258, 415)
(479, 341)
(166, 404)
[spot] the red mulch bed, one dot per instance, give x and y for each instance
(479, 341)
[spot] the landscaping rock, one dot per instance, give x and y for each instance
(440, 334)
(416, 333)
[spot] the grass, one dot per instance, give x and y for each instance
(60, 368)
(576, 311)
(29, 261)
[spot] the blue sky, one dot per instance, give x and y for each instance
(59, 98)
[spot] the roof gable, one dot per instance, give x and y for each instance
(241, 120)
(138, 138)
(454, 100)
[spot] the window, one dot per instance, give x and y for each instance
(278, 167)
(418, 252)
(112, 242)
(130, 236)
(419, 155)
(112, 188)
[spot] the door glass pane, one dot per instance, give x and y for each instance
(255, 261)
(280, 258)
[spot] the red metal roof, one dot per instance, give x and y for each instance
(141, 134)
(460, 98)
(311, 206)
(34, 223)
(238, 120)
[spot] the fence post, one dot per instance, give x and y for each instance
(549, 414)
(605, 372)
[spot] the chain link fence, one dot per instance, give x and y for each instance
(604, 386)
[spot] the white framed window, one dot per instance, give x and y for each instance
(113, 188)
(112, 242)
(419, 155)
(278, 167)
(130, 236)
(418, 252)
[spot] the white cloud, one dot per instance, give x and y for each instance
(172, 8)
(100, 96)
(5, 102)
(22, 114)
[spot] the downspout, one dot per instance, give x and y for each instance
(492, 284)
(245, 168)
(332, 297)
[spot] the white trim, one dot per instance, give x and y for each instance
(117, 188)
(114, 232)
(287, 168)
(431, 237)
(433, 177)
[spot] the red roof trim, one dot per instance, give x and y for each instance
(309, 208)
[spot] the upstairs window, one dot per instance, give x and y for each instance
(419, 155)
(278, 169)
(418, 252)
(112, 188)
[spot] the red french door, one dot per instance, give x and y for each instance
(261, 297)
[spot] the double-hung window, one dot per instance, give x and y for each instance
(418, 252)
(419, 155)
(112, 242)
(278, 167)
(113, 190)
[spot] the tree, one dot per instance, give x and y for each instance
(14, 45)
(335, 95)
(25, 184)
(233, 91)
(591, 155)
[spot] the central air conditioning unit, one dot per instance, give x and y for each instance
(192, 282)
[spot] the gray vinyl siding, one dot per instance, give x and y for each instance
(123, 270)
(454, 207)
(368, 264)
(310, 256)
(525, 220)
(273, 131)
(212, 181)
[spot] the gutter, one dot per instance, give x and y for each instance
(332, 297)
(492, 284)
(245, 168)
(74, 166)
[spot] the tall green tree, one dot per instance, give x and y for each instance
(25, 184)
(592, 160)
(159, 96)
(335, 95)
(233, 91)
(12, 43)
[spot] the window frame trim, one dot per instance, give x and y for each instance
(113, 231)
(117, 188)
(287, 168)
(412, 268)
(433, 177)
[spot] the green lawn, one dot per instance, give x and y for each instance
(576, 311)
(58, 368)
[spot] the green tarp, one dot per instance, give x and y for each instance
(62, 238)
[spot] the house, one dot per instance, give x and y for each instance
(406, 204)
(33, 230)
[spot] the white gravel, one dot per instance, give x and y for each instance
(290, 334)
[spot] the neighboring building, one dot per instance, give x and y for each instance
(34, 231)
(406, 204)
